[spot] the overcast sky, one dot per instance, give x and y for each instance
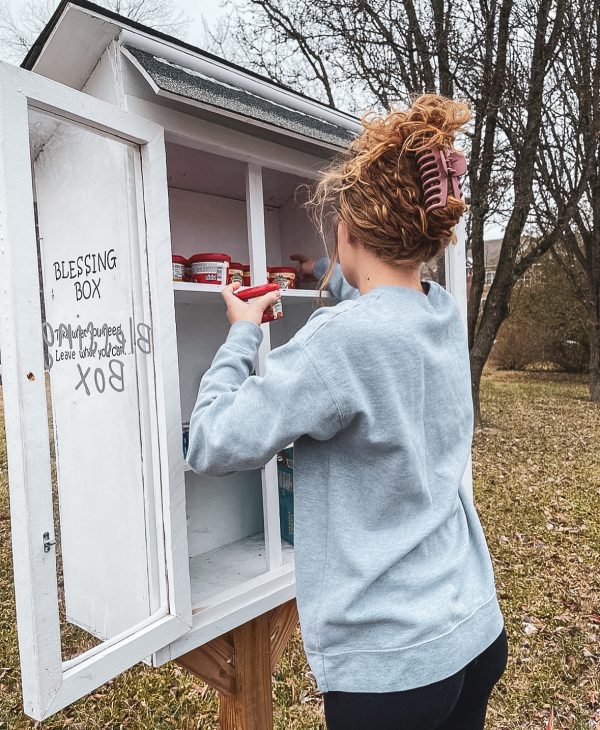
(193, 9)
(211, 9)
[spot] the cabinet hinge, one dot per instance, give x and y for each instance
(48, 542)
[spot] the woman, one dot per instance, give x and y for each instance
(395, 589)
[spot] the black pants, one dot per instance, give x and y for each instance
(456, 703)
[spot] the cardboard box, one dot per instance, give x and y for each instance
(285, 480)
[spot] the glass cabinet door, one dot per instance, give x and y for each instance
(90, 388)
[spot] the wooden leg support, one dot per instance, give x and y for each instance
(239, 665)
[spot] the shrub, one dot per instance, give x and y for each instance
(547, 324)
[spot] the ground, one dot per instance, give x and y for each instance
(537, 487)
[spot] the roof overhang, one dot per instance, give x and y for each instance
(79, 32)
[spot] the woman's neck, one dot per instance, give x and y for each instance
(375, 274)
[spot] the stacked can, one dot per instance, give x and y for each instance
(210, 268)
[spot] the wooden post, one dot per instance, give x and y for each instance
(239, 665)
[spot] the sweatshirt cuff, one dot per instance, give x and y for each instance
(245, 335)
(320, 267)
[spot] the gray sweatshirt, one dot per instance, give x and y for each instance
(394, 582)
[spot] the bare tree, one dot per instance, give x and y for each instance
(18, 30)
(571, 144)
(501, 55)
(537, 40)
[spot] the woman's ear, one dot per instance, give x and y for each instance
(344, 238)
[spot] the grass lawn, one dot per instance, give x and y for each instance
(537, 486)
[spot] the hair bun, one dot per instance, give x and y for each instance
(377, 189)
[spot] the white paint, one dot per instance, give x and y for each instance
(25, 411)
(168, 412)
(229, 567)
(219, 510)
(47, 686)
(190, 293)
(96, 423)
(203, 223)
(456, 281)
(258, 273)
(190, 131)
(222, 510)
(234, 607)
(203, 172)
(77, 42)
(456, 269)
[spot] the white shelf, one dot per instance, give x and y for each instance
(220, 570)
(293, 294)
(187, 292)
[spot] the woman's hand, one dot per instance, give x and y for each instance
(305, 265)
(251, 311)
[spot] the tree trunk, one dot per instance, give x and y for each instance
(495, 312)
(477, 365)
(594, 331)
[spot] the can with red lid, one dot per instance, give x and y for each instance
(210, 268)
(285, 276)
(246, 270)
(275, 311)
(236, 273)
(179, 264)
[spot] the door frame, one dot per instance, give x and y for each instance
(49, 683)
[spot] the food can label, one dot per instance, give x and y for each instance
(210, 272)
(285, 281)
(236, 275)
(178, 271)
(275, 311)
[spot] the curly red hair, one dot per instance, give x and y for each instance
(375, 189)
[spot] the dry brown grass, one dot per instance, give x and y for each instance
(537, 481)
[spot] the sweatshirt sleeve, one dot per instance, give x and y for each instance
(240, 421)
(338, 287)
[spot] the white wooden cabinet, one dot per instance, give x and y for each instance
(99, 178)
(102, 355)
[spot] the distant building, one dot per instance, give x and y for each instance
(491, 255)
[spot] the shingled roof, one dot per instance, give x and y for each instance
(190, 84)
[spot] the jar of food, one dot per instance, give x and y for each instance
(210, 268)
(275, 311)
(246, 270)
(179, 265)
(236, 273)
(285, 276)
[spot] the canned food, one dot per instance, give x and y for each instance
(236, 273)
(179, 266)
(275, 311)
(210, 268)
(246, 270)
(285, 276)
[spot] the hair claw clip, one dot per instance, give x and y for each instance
(438, 168)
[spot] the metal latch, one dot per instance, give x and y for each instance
(48, 542)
